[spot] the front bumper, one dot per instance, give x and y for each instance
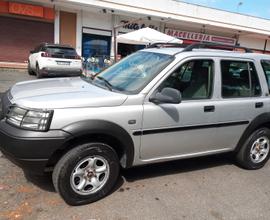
(30, 150)
(53, 71)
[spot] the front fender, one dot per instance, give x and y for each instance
(90, 127)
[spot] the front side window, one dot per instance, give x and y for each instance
(239, 79)
(134, 72)
(266, 69)
(193, 79)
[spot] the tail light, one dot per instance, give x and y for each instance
(45, 54)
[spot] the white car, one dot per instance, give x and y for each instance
(54, 60)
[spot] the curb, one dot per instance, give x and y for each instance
(5, 69)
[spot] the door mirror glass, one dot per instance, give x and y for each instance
(167, 95)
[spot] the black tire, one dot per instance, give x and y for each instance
(38, 73)
(64, 169)
(30, 71)
(243, 157)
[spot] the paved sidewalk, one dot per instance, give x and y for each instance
(9, 77)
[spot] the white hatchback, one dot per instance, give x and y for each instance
(54, 60)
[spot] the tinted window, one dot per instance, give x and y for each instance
(61, 51)
(193, 79)
(239, 79)
(266, 68)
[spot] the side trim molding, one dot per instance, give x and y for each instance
(192, 127)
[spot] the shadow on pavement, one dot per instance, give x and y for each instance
(43, 182)
(145, 172)
(148, 171)
(178, 166)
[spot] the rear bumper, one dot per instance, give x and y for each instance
(53, 71)
(30, 150)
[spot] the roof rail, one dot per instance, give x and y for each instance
(213, 45)
(161, 44)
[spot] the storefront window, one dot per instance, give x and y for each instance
(96, 52)
(127, 49)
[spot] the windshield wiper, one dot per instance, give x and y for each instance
(106, 82)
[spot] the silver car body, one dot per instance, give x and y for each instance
(73, 99)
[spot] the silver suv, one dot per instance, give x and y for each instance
(158, 104)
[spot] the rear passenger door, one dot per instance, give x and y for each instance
(240, 99)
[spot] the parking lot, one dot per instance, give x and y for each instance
(202, 188)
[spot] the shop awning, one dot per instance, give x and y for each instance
(146, 36)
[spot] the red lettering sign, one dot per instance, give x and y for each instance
(200, 37)
(25, 9)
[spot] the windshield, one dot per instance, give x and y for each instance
(133, 73)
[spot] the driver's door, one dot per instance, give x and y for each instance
(187, 128)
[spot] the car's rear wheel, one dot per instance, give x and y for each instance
(30, 71)
(38, 73)
(256, 150)
(86, 174)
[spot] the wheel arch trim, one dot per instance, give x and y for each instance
(90, 127)
(260, 121)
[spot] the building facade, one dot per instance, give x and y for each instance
(90, 25)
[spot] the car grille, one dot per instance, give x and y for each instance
(4, 104)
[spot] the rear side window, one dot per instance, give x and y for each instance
(266, 69)
(239, 79)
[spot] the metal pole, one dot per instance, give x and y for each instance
(115, 44)
(114, 33)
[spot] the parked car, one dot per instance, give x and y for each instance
(54, 60)
(158, 104)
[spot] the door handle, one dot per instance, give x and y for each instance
(209, 108)
(258, 104)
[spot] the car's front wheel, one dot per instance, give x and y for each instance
(256, 150)
(86, 173)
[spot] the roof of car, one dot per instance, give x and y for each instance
(209, 52)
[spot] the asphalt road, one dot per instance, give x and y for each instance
(202, 188)
(10, 77)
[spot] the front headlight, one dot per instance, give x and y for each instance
(31, 119)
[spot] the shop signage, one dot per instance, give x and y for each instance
(137, 26)
(25, 9)
(200, 37)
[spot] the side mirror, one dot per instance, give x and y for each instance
(167, 95)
